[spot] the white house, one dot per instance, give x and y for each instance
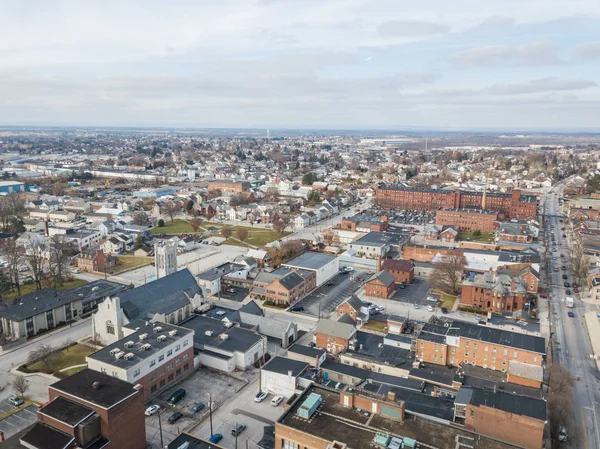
(281, 376)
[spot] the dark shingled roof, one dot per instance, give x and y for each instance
(164, 295)
(110, 391)
(282, 365)
(398, 265)
(192, 441)
(67, 411)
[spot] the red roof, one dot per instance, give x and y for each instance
(397, 265)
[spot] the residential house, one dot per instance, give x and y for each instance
(334, 336)
(402, 270)
(381, 285)
(355, 308)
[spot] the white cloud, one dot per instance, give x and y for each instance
(588, 50)
(411, 28)
(535, 54)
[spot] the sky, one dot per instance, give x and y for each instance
(321, 64)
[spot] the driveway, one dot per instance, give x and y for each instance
(329, 295)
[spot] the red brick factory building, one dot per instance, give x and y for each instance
(511, 205)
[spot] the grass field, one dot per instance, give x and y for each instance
(73, 355)
(28, 288)
(177, 226)
(447, 301)
(376, 326)
(485, 237)
(127, 263)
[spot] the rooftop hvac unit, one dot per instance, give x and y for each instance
(128, 356)
(119, 355)
(223, 337)
(143, 336)
(146, 347)
(114, 351)
(173, 332)
(157, 329)
(129, 344)
(228, 324)
(208, 333)
(161, 338)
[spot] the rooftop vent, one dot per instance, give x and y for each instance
(115, 350)
(129, 344)
(223, 337)
(208, 333)
(95, 385)
(173, 332)
(119, 355)
(161, 338)
(146, 347)
(157, 329)
(128, 356)
(143, 336)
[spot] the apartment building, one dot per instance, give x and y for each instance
(283, 286)
(402, 270)
(510, 205)
(90, 409)
(467, 219)
(381, 285)
(153, 355)
(459, 342)
(334, 336)
(365, 223)
(228, 185)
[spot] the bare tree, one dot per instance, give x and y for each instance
(226, 232)
(272, 194)
(21, 385)
(195, 223)
(560, 400)
(447, 272)
(251, 219)
(214, 193)
(140, 219)
(35, 257)
(58, 262)
(241, 234)
(279, 226)
(579, 261)
(210, 213)
(328, 236)
(14, 256)
(44, 354)
(171, 209)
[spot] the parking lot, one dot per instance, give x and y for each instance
(17, 421)
(327, 297)
(406, 217)
(198, 386)
(414, 293)
(239, 295)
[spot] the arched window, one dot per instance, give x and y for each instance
(180, 316)
(172, 318)
(110, 327)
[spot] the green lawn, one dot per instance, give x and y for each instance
(376, 326)
(260, 237)
(177, 226)
(233, 242)
(28, 288)
(73, 355)
(485, 237)
(447, 301)
(127, 263)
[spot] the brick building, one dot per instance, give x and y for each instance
(511, 205)
(334, 336)
(518, 420)
(228, 185)
(355, 308)
(500, 291)
(96, 260)
(283, 286)
(381, 285)
(90, 409)
(155, 356)
(402, 270)
(467, 343)
(467, 219)
(365, 223)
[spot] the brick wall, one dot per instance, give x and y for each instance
(331, 344)
(376, 289)
(304, 440)
(426, 351)
(163, 373)
(347, 309)
(466, 221)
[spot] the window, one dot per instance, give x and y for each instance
(474, 345)
(161, 372)
(169, 366)
(466, 354)
(153, 377)
(186, 367)
(422, 345)
(467, 344)
(177, 362)
(494, 360)
(485, 348)
(161, 357)
(177, 348)
(485, 358)
(185, 356)
(472, 413)
(162, 383)
(436, 348)
(169, 353)
(185, 343)
(515, 354)
(153, 388)
(474, 355)
(289, 445)
(505, 351)
(452, 350)
(170, 378)
(435, 358)
(178, 372)
(103, 370)
(115, 374)
(534, 359)
(110, 328)
(136, 373)
(152, 362)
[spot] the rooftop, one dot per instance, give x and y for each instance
(219, 271)
(67, 411)
(208, 333)
(310, 260)
(157, 336)
(305, 350)
(192, 443)
(43, 436)
(375, 238)
(282, 365)
(510, 403)
(46, 299)
(108, 393)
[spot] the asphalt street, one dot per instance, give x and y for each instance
(572, 343)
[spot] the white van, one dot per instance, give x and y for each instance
(276, 400)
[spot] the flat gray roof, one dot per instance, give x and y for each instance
(310, 260)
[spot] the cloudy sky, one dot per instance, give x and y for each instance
(438, 64)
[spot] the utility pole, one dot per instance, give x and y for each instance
(160, 430)
(236, 434)
(210, 413)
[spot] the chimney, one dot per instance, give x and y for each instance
(95, 385)
(391, 396)
(316, 361)
(379, 264)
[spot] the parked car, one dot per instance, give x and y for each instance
(237, 429)
(175, 417)
(571, 314)
(566, 284)
(261, 396)
(198, 406)
(429, 309)
(176, 396)
(432, 299)
(568, 292)
(575, 290)
(329, 284)
(15, 400)
(152, 410)
(276, 400)
(444, 310)
(349, 269)
(417, 306)
(215, 438)
(297, 308)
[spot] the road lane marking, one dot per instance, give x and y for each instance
(585, 445)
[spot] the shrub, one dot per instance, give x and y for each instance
(161, 223)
